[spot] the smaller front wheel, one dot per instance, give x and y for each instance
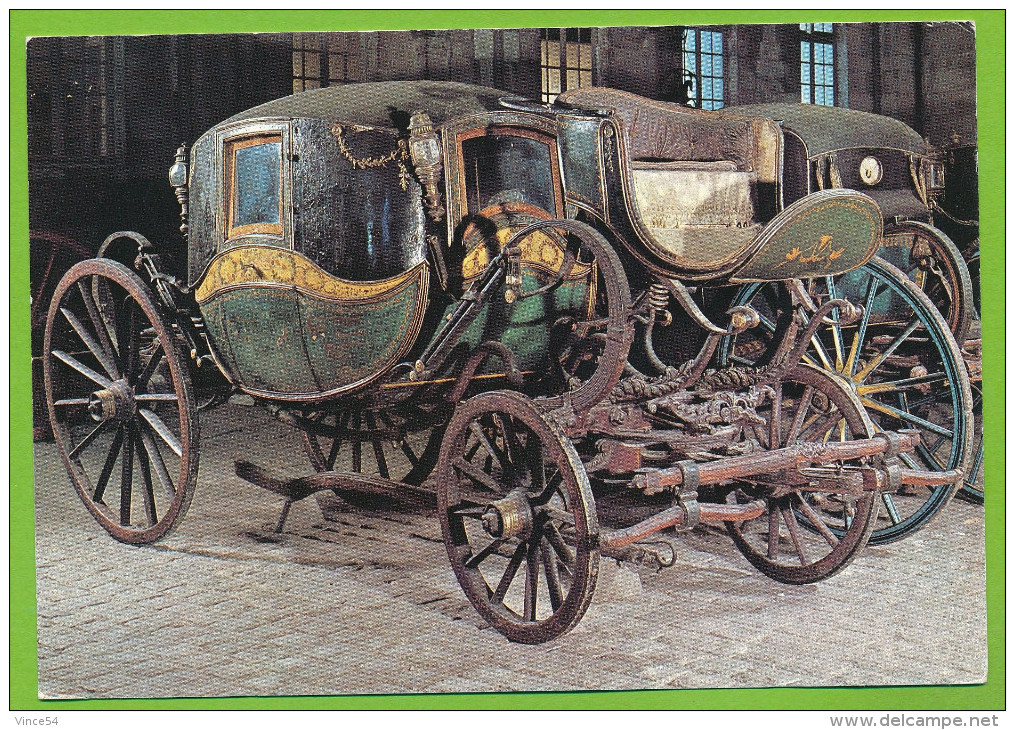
(518, 517)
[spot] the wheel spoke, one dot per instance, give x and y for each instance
(160, 428)
(801, 413)
(552, 576)
(156, 398)
(875, 363)
(357, 445)
(818, 523)
(549, 489)
(556, 541)
(150, 367)
(908, 417)
(509, 573)
(891, 509)
(496, 454)
(82, 368)
(477, 475)
(773, 530)
(794, 532)
(836, 328)
(107, 468)
(103, 357)
(158, 463)
(382, 463)
(901, 384)
(76, 451)
(483, 554)
(775, 426)
(531, 581)
(861, 331)
(126, 475)
(64, 402)
(99, 323)
(148, 493)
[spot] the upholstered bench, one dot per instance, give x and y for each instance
(703, 182)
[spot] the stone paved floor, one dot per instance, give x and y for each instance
(368, 604)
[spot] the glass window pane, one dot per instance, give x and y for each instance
(819, 95)
(585, 78)
(830, 96)
(805, 74)
(805, 51)
(586, 56)
(690, 40)
(571, 58)
(554, 82)
(805, 94)
(256, 184)
(503, 169)
(312, 66)
(718, 89)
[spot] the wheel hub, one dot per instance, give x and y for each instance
(114, 402)
(510, 516)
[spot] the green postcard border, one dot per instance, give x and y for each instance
(990, 43)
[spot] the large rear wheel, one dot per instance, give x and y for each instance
(901, 360)
(120, 401)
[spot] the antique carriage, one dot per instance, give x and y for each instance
(455, 296)
(918, 384)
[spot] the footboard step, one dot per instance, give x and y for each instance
(344, 484)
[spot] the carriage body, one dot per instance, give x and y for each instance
(376, 260)
(309, 229)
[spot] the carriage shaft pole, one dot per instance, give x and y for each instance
(798, 455)
(676, 516)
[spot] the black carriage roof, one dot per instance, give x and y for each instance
(382, 105)
(827, 128)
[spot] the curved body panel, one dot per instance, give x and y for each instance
(826, 233)
(285, 329)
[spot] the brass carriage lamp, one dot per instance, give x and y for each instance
(178, 179)
(425, 150)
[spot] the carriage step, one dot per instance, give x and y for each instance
(348, 485)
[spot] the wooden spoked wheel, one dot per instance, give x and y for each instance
(900, 359)
(518, 517)
(371, 442)
(805, 534)
(120, 401)
(936, 265)
(972, 485)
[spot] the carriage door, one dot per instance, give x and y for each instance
(508, 178)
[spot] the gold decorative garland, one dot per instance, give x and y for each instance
(397, 155)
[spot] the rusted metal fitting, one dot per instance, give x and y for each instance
(116, 401)
(687, 496)
(510, 516)
(742, 319)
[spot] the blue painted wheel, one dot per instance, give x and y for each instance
(901, 360)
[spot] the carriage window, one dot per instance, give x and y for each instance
(253, 171)
(508, 169)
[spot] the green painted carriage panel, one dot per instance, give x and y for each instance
(524, 326)
(351, 341)
(823, 234)
(265, 339)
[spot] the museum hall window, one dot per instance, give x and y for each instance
(325, 59)
(817, 64)
(74, 99)
(703, 67)
(565, 60)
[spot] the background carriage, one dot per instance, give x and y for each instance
(431, 276)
